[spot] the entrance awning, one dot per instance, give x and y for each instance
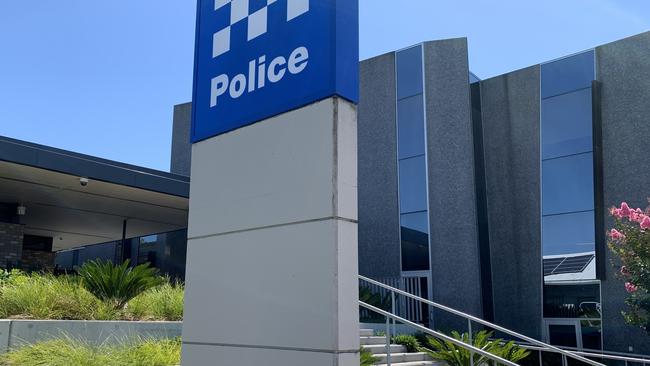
(47, 182)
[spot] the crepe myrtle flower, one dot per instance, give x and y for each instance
(616, 235)
(631, 288)
(645, 223)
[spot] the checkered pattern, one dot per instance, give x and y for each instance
(257, 21)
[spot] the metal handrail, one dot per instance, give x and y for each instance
(471, 318)
(603, 355)
(438, 335)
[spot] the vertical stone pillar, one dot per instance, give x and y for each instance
(11, 244)
(272, 250)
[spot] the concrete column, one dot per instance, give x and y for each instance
(272, 250)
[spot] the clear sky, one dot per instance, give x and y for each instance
(101, 77)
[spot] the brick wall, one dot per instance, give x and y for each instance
(36, 260)
(11, 244)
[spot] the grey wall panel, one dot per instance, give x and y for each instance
(511, 128)
(181, 146)
(455, 259)
(379, 246)
(624, 71)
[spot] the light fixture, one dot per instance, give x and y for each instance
(21, 210)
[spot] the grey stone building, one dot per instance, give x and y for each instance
(490, 196)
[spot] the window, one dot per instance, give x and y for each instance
(568, 233)
(413, 184)
(567, 127)
(411, 154)
(568, 184)
(409, 72)
(568, 74)
(410, 116)
(415, 241)
(568, 216)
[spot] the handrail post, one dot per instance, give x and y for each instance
(564, 360)
(392, 294)
(388, 356)
(469, 329)
(541, 363)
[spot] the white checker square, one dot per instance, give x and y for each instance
(257, 23)
(296, 8)
(218, 4)
(269, 2)
(221, 42)
(238, 10)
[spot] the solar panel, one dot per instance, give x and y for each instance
(553, 266)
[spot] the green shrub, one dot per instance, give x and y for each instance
(48, 297)
(165, 352)
(66, 352)
(410, 342)
(367, 359)
(117, 284)
(44, 296)
(454, 355)
(164, 302)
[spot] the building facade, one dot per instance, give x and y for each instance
(494, 193)
(488, 196)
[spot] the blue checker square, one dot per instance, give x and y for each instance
(255, 59)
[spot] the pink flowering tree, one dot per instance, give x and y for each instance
(630, 241)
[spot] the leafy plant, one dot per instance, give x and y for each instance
(629, 240)
(454, 355)
(44, 296)
(367, 358)
(163, 302)
(117, 284)
(374, 298)
(67, 351)
(410, 342)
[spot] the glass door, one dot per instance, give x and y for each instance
(563, 332)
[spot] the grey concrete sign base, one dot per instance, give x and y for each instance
(272, 250)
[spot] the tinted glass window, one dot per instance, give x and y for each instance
(409, 72)
(568, 74)
(410, 125)
(591, 334)
(412, 185)
(568, 184)
(572, 301)
(417, 221)
(562, 335)
(567, 124)
(415, 242)
(568, 233)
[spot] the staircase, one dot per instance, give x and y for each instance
(399, 355)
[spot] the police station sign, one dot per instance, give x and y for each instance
(259, 58)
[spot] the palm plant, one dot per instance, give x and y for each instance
(117, 284)
(367, 359)
(454, 355)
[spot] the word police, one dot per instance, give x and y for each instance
(258, 74)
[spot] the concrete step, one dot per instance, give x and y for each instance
(403, 357)
(366, 341)
(367, 332)
(381, 348)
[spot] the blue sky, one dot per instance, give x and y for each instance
(101, 77)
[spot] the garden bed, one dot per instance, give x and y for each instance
(15, 334)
